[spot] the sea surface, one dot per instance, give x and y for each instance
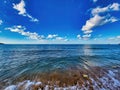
(59, 67)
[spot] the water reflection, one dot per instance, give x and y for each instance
(88, 60)
(87, 50)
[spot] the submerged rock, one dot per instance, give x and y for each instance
(114, 67)
(85, 76)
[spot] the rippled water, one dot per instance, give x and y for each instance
(22, 66)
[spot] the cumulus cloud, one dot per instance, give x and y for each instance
(79, 37)
(20, 7)
(109, 8)
(21, 30)
(98, 20)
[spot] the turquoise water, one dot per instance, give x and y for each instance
(18, 60)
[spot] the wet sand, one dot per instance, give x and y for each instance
(94, 78)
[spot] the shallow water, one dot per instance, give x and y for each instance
(93, 67)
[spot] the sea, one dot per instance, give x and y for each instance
(59, 67)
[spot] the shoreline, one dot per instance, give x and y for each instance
(95, 78)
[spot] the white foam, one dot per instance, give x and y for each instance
(38, 83)
(12, 87)
(116, 83)
(107, 81)
(46, 87)
(29, 85)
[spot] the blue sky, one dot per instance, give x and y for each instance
(60, 21)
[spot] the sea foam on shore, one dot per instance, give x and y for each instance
(107, 81)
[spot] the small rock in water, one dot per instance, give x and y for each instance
(114, 67)
(85, 76)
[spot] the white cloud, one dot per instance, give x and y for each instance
(95, 0)
(118, 37)
(66, 40)
(20, 7)
(56, 37)
(115, 7)
(32, 19)
(86, 36)
(97, 21)
(109, 8)
(111, 38)
(33, 35)
(88, 31)
(21, 30)
(1, 22)
(79, 37)
(50, 36)
(95, 39)
(114, 38)
(61, 38)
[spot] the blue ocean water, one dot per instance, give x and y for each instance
(17, 60)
